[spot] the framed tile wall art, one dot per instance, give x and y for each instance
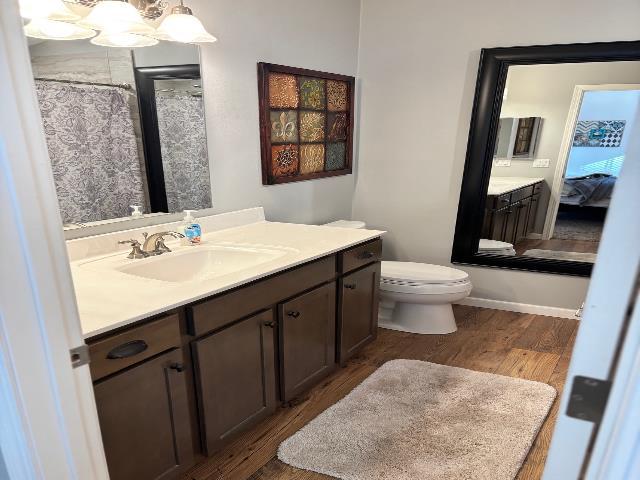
(306, 123)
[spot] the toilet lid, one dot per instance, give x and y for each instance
(421, 273)
(346, 224)
(486, 244)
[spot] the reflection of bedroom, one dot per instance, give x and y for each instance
(597, 153)
(551, 183)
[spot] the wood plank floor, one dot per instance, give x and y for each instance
(507, 343)
(581, 246)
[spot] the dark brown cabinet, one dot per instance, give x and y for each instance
(510, 217)
(358, 305)
(180, 385)
(235, 378)
(307, 339)
(145, 421)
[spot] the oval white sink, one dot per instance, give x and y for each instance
(199, 263)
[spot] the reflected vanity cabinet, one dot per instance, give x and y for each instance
(511, 216)
(178, 387)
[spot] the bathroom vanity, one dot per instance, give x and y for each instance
(511, 208)
(178, 384)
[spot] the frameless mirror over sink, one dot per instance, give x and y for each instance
(197, 263)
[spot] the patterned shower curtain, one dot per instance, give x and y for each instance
(183, 144)
(93, 151)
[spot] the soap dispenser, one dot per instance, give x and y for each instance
(192, 229)
(136, 211)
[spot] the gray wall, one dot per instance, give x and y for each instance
(418, 63)
(321, 36)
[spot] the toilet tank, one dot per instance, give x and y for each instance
(347, 224)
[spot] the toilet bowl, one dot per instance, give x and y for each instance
(495, 247)
(417, 297)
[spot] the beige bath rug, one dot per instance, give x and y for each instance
(418, 420)
(560, 255)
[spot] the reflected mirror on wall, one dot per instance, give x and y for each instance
(562, 139)
(98, 129)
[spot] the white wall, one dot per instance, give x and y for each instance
(418, 66)
(317, 35)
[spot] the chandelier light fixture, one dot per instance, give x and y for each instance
(117, 23)
(182, 26)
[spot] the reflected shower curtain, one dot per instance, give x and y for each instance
(93, 150)
(183, 144)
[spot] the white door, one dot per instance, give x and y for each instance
(48, 422)
(608, 343)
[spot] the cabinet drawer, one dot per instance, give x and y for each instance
(132, 346)
(220, 311)
(521, 193)
(496, 202)
(360, 255)
(537, 188)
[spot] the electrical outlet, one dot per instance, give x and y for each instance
(541, 163)
(503, 162)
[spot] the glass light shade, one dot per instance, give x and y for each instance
(115, 16)
(55, 30)
(123, 40)
(182, 27)
(49, 9)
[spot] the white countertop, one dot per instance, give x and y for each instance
(108, 299)
(500, 185)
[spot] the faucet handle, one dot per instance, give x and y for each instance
(136, 251)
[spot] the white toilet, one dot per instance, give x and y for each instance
(417, 297)
(496, 247)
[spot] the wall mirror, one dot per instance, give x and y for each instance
(548, 137)
(123, 128)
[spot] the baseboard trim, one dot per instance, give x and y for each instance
(519, 307)
(534, 236)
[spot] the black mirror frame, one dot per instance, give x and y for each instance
(492, 76)
(145, 84)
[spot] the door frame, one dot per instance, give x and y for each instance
(565, 148)
(52, 428)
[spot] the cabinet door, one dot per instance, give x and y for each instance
(358, 311)
(511, 223)
(499, 223)
(235, 378)
(532, 213)
(144, 419)
(307, 339)
(523, 218)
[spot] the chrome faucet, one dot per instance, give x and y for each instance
(154, 243)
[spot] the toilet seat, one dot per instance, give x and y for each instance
(422, 279)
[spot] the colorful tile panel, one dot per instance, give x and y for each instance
(337, 96)
(337, 127)
(284, 126)
(284, 160)
(312, 126)
(336, 156)
(312, 94)
(311, 158)
(283, 91)
(305, 120)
